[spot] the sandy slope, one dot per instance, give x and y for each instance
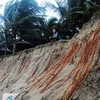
(51, 71)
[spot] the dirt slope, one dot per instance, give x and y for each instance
(53, 71)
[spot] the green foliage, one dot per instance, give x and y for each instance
(74, 13)
(24, 17)
(27, 19)
(2, 39)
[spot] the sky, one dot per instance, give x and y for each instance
(3, 2)
(40, 2)
(49, 12)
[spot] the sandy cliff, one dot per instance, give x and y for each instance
(57, 71)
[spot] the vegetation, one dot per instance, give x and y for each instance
(74, 13)
(26, 19)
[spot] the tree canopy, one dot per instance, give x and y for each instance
(74, 13)
(27, 20)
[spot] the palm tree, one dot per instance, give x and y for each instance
(74, 13)
(16, 16)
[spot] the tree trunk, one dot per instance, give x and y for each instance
(14, 42)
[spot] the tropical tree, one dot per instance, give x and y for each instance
(81, 12)
(74, 13)
(21, 15)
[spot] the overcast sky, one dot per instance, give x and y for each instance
(3, 2)
(50, 13)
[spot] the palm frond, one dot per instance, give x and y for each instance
(2, 27)
(88, 5)
(28, 18)
(5, 19)
(52, 21)
(52, 7)
(94, 4)
(8, 8)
